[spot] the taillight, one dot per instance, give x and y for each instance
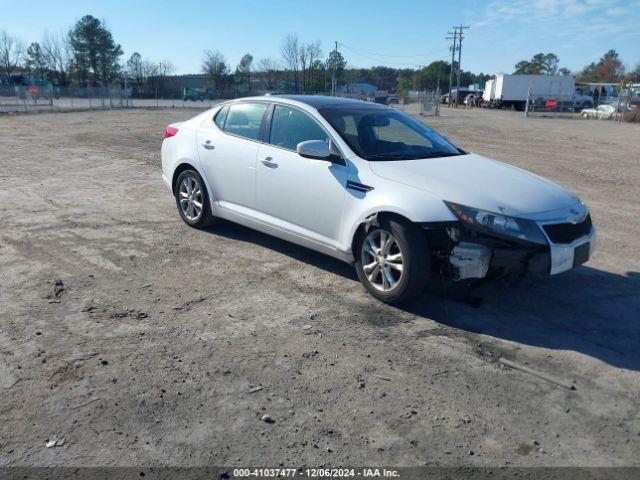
(170, 131)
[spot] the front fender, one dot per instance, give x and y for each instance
(411, 203)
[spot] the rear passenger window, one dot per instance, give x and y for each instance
(221, 117)
(291, 126)
(244, 120)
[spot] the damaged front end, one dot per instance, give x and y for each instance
(461, 253)
(487, 245)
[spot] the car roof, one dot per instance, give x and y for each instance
(318, 101)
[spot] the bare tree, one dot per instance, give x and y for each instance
(290, 51)
(150, 69)
(304, 62)
(57, 50)
(11, 53)
(165, 68)
(312, 53)
(145, 72)
(270, 68)
(135, 69)
(214, 65)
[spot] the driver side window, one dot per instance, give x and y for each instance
(291, 126)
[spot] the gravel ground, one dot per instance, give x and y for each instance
(132, 339)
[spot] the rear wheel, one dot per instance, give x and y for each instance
(192, 200)
(392, 260)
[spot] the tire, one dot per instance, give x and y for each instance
(585, 115)
(189, 192)
(410, 242)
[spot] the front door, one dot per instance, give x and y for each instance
(304, 195)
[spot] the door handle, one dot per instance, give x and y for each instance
(268, 162)
(208, 145)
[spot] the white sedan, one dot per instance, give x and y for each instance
(374, 187)
(603, 112)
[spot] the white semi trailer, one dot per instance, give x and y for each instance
(512, 91)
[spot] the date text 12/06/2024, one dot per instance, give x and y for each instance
(316, 472)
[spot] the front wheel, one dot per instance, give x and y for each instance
(192, 200)
(392, 260)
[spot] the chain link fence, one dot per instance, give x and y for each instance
(26, 98)
(620, 105)
(547, 103)
(430, 103)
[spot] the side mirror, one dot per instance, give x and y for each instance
(316, 149)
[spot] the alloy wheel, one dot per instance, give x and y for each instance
(190, 196)
(382, 260)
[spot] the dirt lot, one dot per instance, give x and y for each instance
(140, 341)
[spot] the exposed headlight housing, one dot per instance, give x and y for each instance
(496, 223)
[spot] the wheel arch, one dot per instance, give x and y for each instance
(372, 219)
(178, 170)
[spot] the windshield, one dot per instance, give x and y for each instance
(387, 134)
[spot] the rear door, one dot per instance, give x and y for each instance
(303, 195)
(228, 147)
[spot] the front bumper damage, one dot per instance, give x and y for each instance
(567, 256)
(465, 254)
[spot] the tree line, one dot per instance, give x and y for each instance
(609, 69)
(88, 55)
(303, 68)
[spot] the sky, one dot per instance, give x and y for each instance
(402, 33)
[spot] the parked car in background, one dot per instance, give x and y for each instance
(392, 99)
(602, 112)
(374, 187)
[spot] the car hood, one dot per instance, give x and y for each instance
(478, 182)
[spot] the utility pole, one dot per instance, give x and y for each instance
(453, 52)
(334, 84)
(460, 38)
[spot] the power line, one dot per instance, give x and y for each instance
(457, 45)
(460, 38)
(393, 55)
(386, 61)
(453, 53)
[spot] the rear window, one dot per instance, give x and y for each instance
(245, 119)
